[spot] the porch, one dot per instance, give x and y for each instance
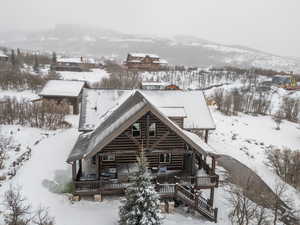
(114, 181)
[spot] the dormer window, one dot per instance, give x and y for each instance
(152, 130)
(136, 130)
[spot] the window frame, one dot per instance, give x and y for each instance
(108, 159)
(155, 130)
(133, 131)
(164, 155)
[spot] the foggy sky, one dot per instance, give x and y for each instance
(269, 25)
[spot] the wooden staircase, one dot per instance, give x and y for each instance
(196, 202)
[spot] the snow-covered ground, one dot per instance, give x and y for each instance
(96, 75)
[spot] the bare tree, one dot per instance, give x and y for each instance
(286, 164)
(278, 119)
(18, 210)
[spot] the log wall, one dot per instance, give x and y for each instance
(125, 147)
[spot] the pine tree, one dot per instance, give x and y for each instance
(36, 64)
(142, 202)
(54, 58)
(13, 57)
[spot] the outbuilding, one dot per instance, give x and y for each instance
(63, 90)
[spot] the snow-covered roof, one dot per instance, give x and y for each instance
(161, 61)
(176, 111)
(143, 55)
(76, 60)
(119, 118)
(98, 102)
(62, 88)
(3, 55)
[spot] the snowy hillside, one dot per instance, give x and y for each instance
(180, 50)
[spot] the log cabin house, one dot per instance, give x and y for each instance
(142, 61)
(63, 90)
(117, 124)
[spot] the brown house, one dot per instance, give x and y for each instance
(118, 124)
(63, 90)
(141, 61)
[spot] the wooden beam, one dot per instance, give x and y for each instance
(162, 138)
(136, 142)
(97, 166)
(206, 136)
(74, 170)
(213, 165)
(147, 130)
(211, 198)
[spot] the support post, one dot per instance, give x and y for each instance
(74, 171)
(213, 165)
(211, 198)
(206, 136)
(147, 131)
(97, 167)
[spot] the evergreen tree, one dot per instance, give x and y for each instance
(54, 58)
(142, 202)
(36, 64)
(13, 57)
(18, 52)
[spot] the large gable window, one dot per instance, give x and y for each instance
(164, 157)
(136, 130)
(152, 130)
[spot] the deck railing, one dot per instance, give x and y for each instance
(199, 181)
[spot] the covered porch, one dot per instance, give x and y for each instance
(89, 177)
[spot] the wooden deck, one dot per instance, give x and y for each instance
(166, 191)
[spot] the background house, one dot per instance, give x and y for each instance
(142, 61)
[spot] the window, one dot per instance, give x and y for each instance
(94, 160)
(152, 130)
(108, 157)
(136, 130)
(165, 158)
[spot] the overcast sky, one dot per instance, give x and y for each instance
(269, 25)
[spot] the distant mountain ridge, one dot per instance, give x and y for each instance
(179, 50)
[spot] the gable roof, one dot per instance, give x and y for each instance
(97, 102)
(62, 88)
(124, 115)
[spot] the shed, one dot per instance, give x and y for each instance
(63, 90)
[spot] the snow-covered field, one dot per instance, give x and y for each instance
(94, 76)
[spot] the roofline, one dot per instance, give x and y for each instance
(73, 96)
